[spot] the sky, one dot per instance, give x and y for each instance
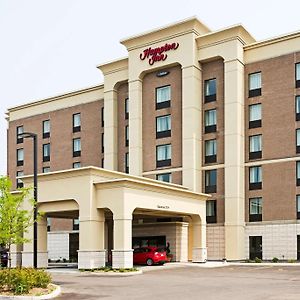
(49, 47)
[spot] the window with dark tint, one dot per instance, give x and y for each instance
(210, 90)
(163, 97)
(102, 142)
(76, 165)
(211, 211)
(127, 163)
(255, 209)
(163, 155)
(163, 126)
(210, 151)
(298, 206)
(76, 122)
(297, 71)
(126, 136)
(211, 181)
(48, 224)
(19, 181)
(102, 116)
(20, 130)
(255, 84)
(46, 169)
(255, 178)
(298, 172)
(126, 108)
(298, 140)
(255, 247)
(46, 152)
(255, 149)
(210, 120)
(46, 129)
(20, 157)
(166, 177)
(297, 108)
(255, 115)
(75, 224)
(76, 147)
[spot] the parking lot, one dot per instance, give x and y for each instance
(187, 282)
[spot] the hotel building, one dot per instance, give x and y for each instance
(188, 112)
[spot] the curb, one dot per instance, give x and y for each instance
(52, 295)
(113, 274)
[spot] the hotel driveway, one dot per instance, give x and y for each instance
(187, 282)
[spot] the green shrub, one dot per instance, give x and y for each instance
(292, 261)
(257, 260)
(275, 260)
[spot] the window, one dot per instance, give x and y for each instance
(255, 178)
(210, 90)
(102, 142)
(210, 120)
(297, 108)
(75, 224)
(126, 108)
(298, 140)
(127, 163)
(76, 165)
(254, 115)
(163, 126)
(46, 152)
(163, 155)
(76, 147)
(48, 224)
(76, 122)
(255, 84)
(211, 211)
(46, 129)
(19, 181)
(297, 69)
(255, 146)
(166, 177)
(298, 172)
(126, 136)
(211, 181)
(210, 151)
(298, 206)
(163, 97)
(102, 116)
(102, 163)
(20, 157)
(20, 130)
(255, 209)
(46, 169)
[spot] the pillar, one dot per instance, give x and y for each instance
(122, 254)
(199, 240)
(91, 253)
(16, 255)
(191, 127)
(135, 128)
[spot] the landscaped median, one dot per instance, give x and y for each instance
(26, 283)
(109, 271)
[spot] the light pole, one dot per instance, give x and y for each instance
(34, 137)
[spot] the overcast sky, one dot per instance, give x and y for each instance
(48, 47)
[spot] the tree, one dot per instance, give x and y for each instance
(14, 219)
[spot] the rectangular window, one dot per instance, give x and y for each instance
(255, 84)
(211, 211)
(298, 206)
(254, 115)
(210, 151)
(76, 165)
(127, 163)
(163, 155)
(298, 140)
(163, 126)
(297, 108)
(102, 142)
(163, 97)
(48, 224)
(46, 169)
(76, 147)
(46, 129)
(211, 181)
(126, 108)
(255, 147)
(126, 136)
(20, 130)
(255, 209)
(76, 122)
(102, 163)
(46, 152)
(297, 70)
(20, 157)
(102, 116)
(255, 178)
(298, 172)
(166, 177)
(210, 120)
(19, 181)
(210, 90)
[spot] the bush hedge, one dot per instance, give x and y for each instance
(22, 280)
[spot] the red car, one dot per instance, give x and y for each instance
(149, 256)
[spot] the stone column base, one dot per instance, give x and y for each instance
(199, 255)
(16, 259)
(122, 259)
(91, 259)
(42, 259)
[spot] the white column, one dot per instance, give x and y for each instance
(16, 255)
(135, 128)
(110, 130)
(199, 241)
(191, 127)
(234, 160)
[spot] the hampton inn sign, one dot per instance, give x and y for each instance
(158, 54)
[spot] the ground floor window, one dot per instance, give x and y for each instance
(255, 247)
